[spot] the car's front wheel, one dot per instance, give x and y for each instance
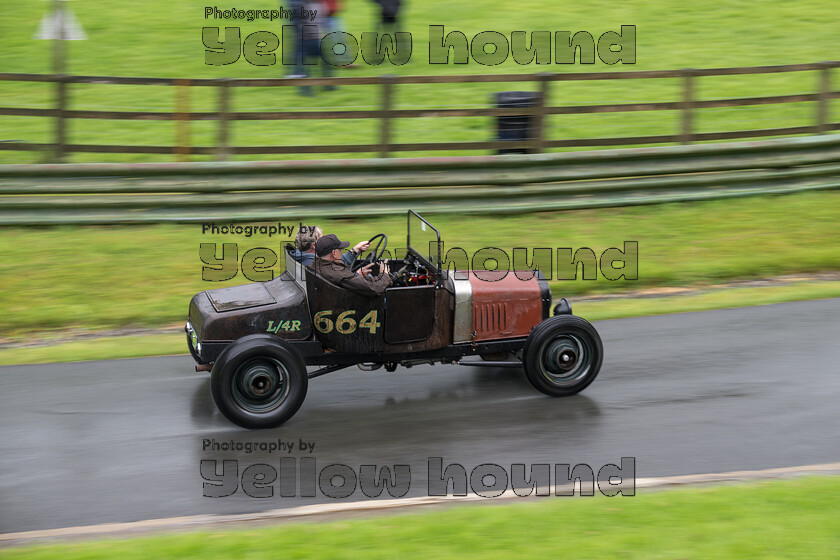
(259, 382)
(563, 355)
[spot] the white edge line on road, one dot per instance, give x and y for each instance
(202, 521)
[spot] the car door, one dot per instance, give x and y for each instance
(409, 314)
(343, 320)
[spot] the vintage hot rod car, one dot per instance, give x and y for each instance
(257, 339)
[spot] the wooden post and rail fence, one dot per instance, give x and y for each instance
(114, 193)
(688, 106)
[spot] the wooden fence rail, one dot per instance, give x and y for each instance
(688, 106)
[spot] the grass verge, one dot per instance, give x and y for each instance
(137, 346)
(106, 277)
(776, 519)
(106, 348)
(97, 278)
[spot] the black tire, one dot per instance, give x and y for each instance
(563, 355)
(259, 382)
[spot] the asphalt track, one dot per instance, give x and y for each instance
(119, 441)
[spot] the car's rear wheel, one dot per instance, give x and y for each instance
(259, 382)
(563, 355)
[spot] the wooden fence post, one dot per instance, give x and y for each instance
(540, 123)
(822, 103)
(60, 125)
(687, 106)
(222, 150)
(387, 82)
(59, 64)
(182, 119)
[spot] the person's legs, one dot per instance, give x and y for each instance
(299, 70)
(311, 50)
(328, 71)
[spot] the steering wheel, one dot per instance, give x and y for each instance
(375, 253)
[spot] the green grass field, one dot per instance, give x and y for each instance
(771, 520)
(58, 278)
(94, 278)
(158, 38)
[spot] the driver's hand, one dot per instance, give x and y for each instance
(385, 268)
(361, 246)
(365, 270)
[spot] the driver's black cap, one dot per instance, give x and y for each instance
(328, 243)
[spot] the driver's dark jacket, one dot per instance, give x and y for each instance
(340, 274)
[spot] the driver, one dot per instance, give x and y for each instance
(304, 251)
(331, 266)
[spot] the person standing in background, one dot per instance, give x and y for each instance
(296, 7)
(389, 12)
(308, 35)
(336, 23)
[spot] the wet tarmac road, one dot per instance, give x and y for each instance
(716, 391)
